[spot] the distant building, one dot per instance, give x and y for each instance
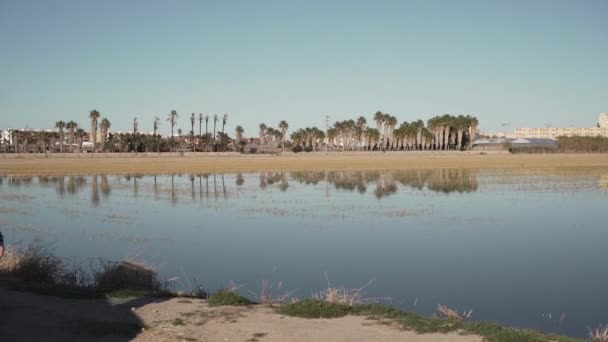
(6, 136)
(601, 129)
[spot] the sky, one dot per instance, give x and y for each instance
(516, 63)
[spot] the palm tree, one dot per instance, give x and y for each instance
(224, 120)
(283, 125)
(71, 126)
(263, 133)
(379, 119)
(60, 125)
(80, 133)
(93, 115)
(461, 123)
(173, 120)
(360, 128)
(390, 122)
(156, 124)
(105, 126)
(215, 120)
(200, 130)
(192, 121)
(239, 134)
(206, 130)
(473, 122)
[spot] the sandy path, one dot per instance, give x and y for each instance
(125, 164)
(26, 316)
(197, 321)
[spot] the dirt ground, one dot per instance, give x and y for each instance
(26, 316)
(130, 164)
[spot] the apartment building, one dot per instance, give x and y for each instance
(601, 129)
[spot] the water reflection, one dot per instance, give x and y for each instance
(202, 187)
(381, 183)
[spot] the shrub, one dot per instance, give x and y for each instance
(228, 297)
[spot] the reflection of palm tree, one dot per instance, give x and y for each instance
(135, 186)
(200, 188)
(224, 187)
(284, 183)
(105, 186)
(206, 186)
(214, 186)
(239, 179)
(262, 178)
(71, 185)
(155, 189)
(173, 195)
(192, 186)
(61, 186)
(94, 192)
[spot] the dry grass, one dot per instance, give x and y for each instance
(444, 312)
(599, 334)
(35, 263)
(341, 295)
(10, 260)
(128, 164)
(270, 294)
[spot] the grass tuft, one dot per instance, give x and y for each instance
(228, 297)
(449, 314)
(599, 334)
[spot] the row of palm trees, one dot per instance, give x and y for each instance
(444, 132)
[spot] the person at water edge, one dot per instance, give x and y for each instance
(1, 245)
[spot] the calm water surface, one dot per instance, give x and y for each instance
(525, 248)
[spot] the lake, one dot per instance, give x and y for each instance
(522, 247)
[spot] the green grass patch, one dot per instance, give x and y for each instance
(312, 308)
(227, 297)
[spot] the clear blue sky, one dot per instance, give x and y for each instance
(527, 63)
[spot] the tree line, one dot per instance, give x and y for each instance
(444, 132)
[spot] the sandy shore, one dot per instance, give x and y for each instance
(133, 164)
(32, 317)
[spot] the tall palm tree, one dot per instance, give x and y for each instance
(60, 125)
(156, 124)
(173, 120)
(93, 115)
(379, 120)
(283, 125)
(71, 126)
(80, 133)
(215, 120)
(390, 122)
(105, 126)
(192, 121)
(200, 130)
(206, 131)
(224, 120)
(360, 129)
(239, 134)
(473, 122)
(461, 123)
(263, 133)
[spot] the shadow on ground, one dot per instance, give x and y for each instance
(32, 312)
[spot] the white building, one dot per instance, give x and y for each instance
(601, 129)
(6, 136)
